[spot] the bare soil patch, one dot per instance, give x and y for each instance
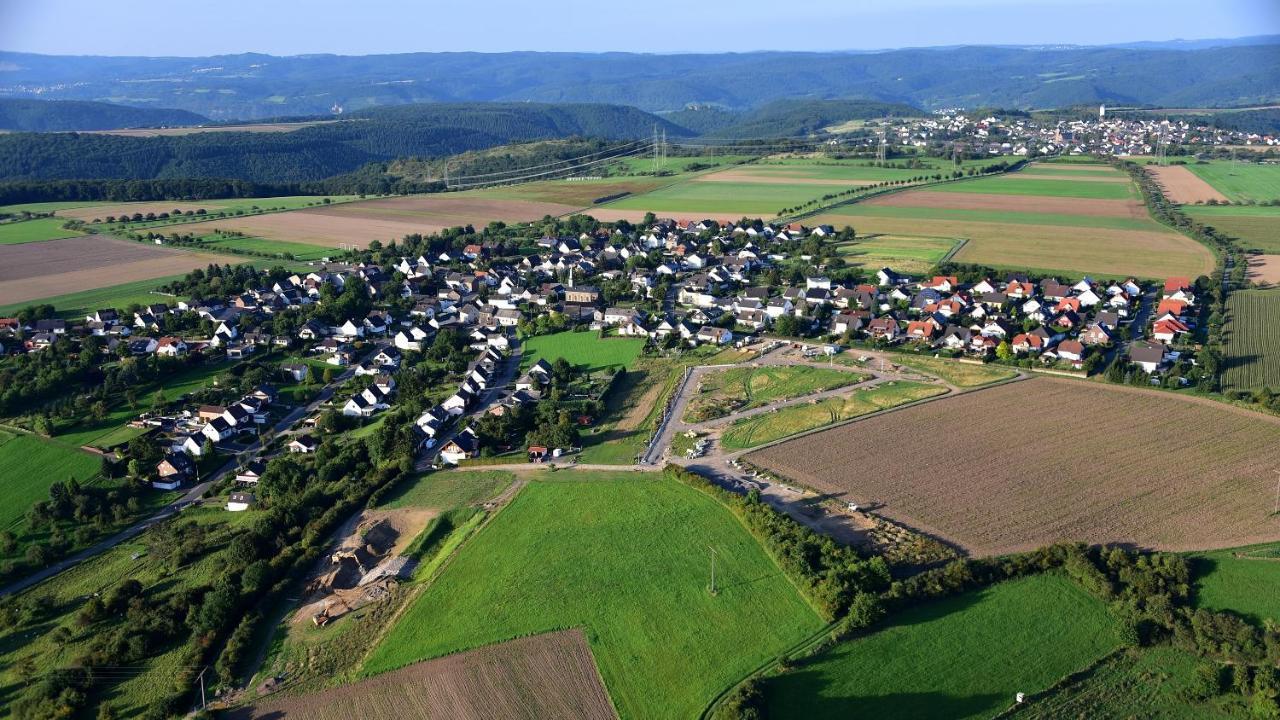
(1013, 203)
(31, 271)
(544, 676)
(1264, 269)
(365, 564)
(1022, 465)
(1183, 186)
(388, 219)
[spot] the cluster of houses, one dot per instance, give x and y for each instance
(186, 433)
(1174, 319)
(432, 423)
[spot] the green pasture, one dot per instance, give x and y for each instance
(582, 349)
(1240, 181)
(787, 421)
(1018, 184)
(35, 230)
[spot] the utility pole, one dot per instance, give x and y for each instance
(1276, 509)
(713, 569)
(446, 174)
(656, 148)
(202, 698)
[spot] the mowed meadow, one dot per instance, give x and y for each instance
(625, 557)
(1025, 464)
(1071, 219)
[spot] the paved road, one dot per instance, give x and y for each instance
(506, 375)
(191, 495)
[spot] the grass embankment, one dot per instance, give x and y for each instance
(34, 230)
(787, 421)
(724, 392)
(964, 657)
(624, 557)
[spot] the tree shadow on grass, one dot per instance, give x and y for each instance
(808, 698)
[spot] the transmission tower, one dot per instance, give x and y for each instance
(656, 148)
(881, 151)
(664, 147)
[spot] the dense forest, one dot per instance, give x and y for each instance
(790, 118)
(258, 86)
(59, 115)
(317, 152)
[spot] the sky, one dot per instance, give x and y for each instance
(361, 27)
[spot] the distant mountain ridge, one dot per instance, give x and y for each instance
(250, 86)
(22, 115)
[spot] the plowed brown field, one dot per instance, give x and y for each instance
(388, 219)
(1183, 186)
(31, 271)
(1030, 463)
(1014, 203)
(545, 676)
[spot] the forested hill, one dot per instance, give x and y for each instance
(791, 118)
(316, 152)
(58, 115)
(256, 86)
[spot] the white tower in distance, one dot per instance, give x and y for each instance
(1102, 111)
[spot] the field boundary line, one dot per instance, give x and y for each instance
(428, 582)
(957, 247)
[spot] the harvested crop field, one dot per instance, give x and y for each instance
(1022, 465)
(549, 675)
(1013, 203)
(56, 267)
(1155, 253)
(1183, 186)
(1264, 269)
(389, 219)
(773, 178)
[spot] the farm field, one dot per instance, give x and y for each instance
(582, 348)
(1245, 581)
(798, 418)
(36, 230)
(903, 253)
(1255, 227)
(549, 675)
(581, 193)
(29, 465)
(965, 375)
(33, 271)
(963, 657)
(1252, 343)
(727, 391)
(1037, 218)
(389, 219)
(710, 198)
(625, 558)
(1183, 186)
(452, 489)
(1240, 182)
(1213, 493)
(79, 304)
(1072, 251)
(1156, 682)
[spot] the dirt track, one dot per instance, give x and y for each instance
(545, 676)
(1013, 203)
(31, 271)
(1183, 186)
(1019, 466)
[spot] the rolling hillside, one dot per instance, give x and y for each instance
(60, 115)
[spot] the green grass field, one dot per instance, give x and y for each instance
(582, 349)
(77, 305)
(903, 253)
(29, 465)
(1245, 581)
(37, 230)
(1157, 682)
(1017, 184)
(1253, 345)
(624, 556)
(964, 657)
(450, 489)
(726, 391)
(301, 251)
(959, 374)
(798, 418)
(1255, 227)
(1240, 182)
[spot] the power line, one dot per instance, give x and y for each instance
(566, 161)
(512, 180)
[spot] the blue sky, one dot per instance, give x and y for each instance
(356, 27)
